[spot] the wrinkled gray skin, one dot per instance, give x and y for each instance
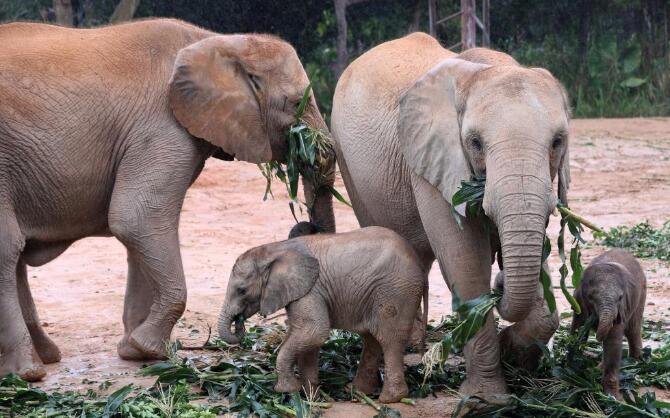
(367, 281)
(614, 289)
(410, 121)
(102, 131)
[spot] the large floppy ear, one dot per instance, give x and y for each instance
(212, 95)
(291, 273)
(429, 125)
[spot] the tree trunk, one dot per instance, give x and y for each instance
(64, 13)
(341, 42)
(124, 11)
(416, 17)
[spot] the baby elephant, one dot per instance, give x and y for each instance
(614, 290)
(366, 281)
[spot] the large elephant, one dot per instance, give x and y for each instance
(102, 131)
(411, 120)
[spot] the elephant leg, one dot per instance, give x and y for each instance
(45, 347)
(395, 386)
(309, 328)
(464, 256)
(519, 341)
(308, 366)
(17, 353)
(144, 216)
(367, 377)
(136, 307)
(633, 333)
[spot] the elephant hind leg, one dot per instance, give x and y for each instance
(17, 354)
(367, 377)
(45, 347)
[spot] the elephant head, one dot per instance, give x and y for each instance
(240, 93)
(509, 123)
(603, 293)
(266, 279)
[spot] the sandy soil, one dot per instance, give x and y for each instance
(621, 175)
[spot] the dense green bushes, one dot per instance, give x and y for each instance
(612, 56)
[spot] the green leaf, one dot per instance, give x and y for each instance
(303, 102)
(115, 400)
(633, 82)
(338, 196)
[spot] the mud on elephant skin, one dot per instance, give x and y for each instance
(613, 290)
(367, 281)
(123, 123)
(431, 119)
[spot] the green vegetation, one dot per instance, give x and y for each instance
(240, 381)
(642, 240)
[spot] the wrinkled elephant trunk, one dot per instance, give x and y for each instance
(225, 323)
(605, 322)
(519, 199)
(318, 197)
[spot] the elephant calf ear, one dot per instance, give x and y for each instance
(292, 273)
(429, 128)
(210, 96)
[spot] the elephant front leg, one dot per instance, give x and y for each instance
(464, 256)
(136, 307)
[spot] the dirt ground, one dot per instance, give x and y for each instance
(620, 175)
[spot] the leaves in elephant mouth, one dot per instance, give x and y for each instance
(471, 194)
(309, 151)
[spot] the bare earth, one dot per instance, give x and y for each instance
(620, 175)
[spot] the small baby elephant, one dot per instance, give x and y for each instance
(368, 281)
(613, 289)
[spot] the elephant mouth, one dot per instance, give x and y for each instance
(240, 330)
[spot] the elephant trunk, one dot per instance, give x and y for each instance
(605, 321)
(519, 199)
(226, 319)
(317, 187)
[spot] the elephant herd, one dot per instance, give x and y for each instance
(102, 131)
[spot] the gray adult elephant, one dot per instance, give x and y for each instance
(102, 131)
(411, 120)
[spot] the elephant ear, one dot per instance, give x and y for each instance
(211, 95)
(291, 273)
(429, 125)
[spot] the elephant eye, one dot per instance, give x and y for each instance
(475, 140)
(558, 140)
(242, 291)
(255, 82)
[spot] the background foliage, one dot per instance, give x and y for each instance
(611, 55)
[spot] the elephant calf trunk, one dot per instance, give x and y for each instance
(225, 324)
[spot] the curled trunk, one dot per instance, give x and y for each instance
(225, 324)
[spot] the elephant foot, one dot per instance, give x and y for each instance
(47, 350)
(128, 352)
(287, 384)
(393, 393)
(494, 391)
(367, 382)
(149, 341)
(26, 364)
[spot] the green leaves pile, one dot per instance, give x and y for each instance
(309, 151)
(643, 240)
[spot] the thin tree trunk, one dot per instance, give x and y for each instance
(416, 17)
(341, 41)
(124, 11)
(64, 13)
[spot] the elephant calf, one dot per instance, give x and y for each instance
(613, 289)
(367, 281)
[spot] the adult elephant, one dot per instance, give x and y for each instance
(102, 131)
(411, 120)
